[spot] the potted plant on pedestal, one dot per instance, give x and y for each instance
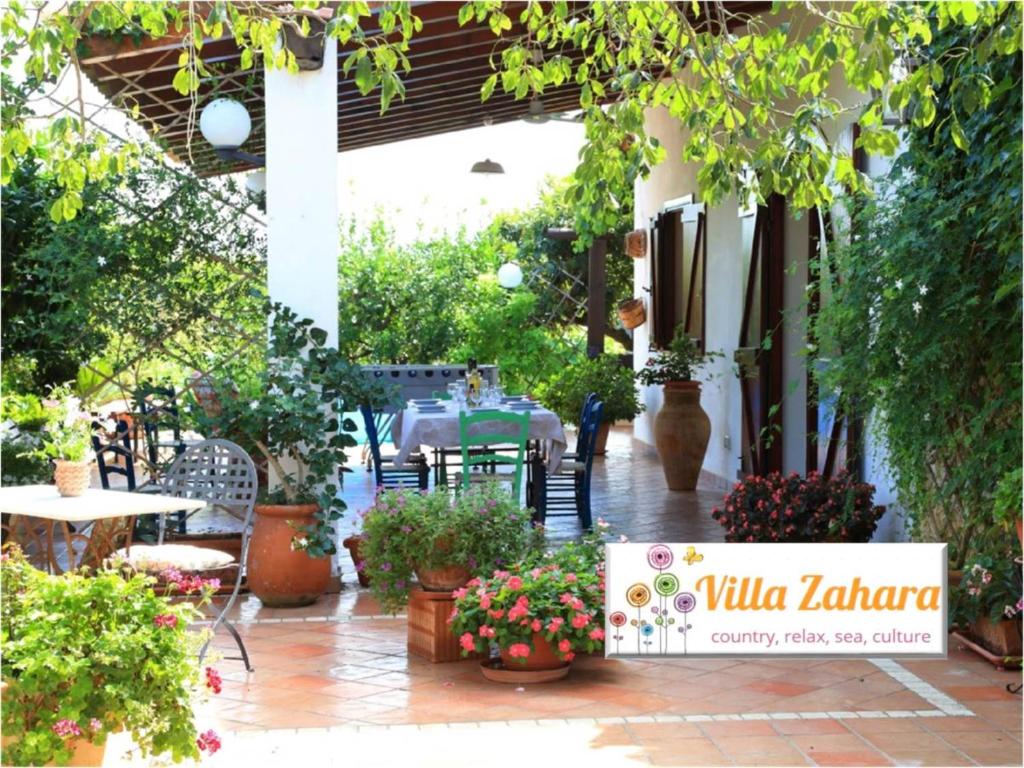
(84, 656)
(987, 607)
(681, 428)
(539, 612)
(66, 439)
(613, 382)
(442, 542)
(290, 413)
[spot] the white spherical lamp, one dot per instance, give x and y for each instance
(510, 275)
(225, 123)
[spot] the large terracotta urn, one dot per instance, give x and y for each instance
(277, 574)
(681, 433)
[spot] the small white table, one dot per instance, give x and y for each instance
(36, 510)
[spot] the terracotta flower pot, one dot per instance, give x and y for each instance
(542, 658)
(681, 433)
(72, 477)
(277, 574)
(444, 579)
(601, 446)
(1003, 638)
(352, 545)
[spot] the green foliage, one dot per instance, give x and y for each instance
(67, 434)
(559, 594)
(46, 45)
(86, 648)
(923, 317)
(399, 303)
(26, 411)
(405, 531)
(438, 301)
(758, 102)
(290, 411)
(613, 382)
(155, 270)
(1007, 498)
(679, 362)
(503, 327)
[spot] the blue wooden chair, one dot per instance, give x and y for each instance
(414, 474)
(567, 491)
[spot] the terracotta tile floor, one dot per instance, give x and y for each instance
(333, 683)
(344, 690)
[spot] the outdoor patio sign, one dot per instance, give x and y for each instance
(775, 600)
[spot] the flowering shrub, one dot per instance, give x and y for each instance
(480, 529)
(558, 594)
(991, 587)
(794, 508)
(84, 656)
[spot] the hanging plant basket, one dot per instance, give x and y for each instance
(636, 243)
(632, 313)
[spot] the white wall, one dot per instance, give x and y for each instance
(729, 240)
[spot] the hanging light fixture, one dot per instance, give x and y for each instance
(225, 124)
(487, 166)
(510, 275)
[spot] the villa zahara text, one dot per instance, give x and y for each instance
(740, 600)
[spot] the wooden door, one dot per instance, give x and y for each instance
(759, 353)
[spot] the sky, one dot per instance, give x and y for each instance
(428, 185)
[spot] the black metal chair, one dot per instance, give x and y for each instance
(416, 473)
(567, 491)
(158, 411)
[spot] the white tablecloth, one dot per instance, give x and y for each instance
(412, 429)
(43, 501)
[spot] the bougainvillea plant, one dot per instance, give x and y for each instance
(558, 595)
(792, 508)
(85, 655)
(480, 529)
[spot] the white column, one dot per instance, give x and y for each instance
(302, 191)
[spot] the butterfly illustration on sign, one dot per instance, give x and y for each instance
(691, 556)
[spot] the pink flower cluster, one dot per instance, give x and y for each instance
(208, 742)
(66, 729)
(519, 650)
(187, 584)
(213, 680)
(168, 620)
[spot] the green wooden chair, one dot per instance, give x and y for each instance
(471, 458)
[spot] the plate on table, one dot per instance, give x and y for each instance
(426, 402)
(430, 408)
(512, 399)
(523, 405)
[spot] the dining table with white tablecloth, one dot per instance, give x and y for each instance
(439, 428)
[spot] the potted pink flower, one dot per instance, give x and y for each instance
(538, 613)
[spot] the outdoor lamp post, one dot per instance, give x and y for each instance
(225, 123)
(510, 275)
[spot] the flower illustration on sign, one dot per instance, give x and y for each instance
(684, 603)
(638, 596)
(659, 556)
(617, 620)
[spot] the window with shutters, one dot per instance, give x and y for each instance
(679, 272)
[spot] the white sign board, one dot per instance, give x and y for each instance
(775, 600)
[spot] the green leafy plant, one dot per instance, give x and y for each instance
(613, 382)
(793, 508)
(679, 362)
(479, 529)
(1007, 500)
(85, 655)
(990, 588)
(932, 267)
(67, 435)
(290, 413)
(558, 594)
